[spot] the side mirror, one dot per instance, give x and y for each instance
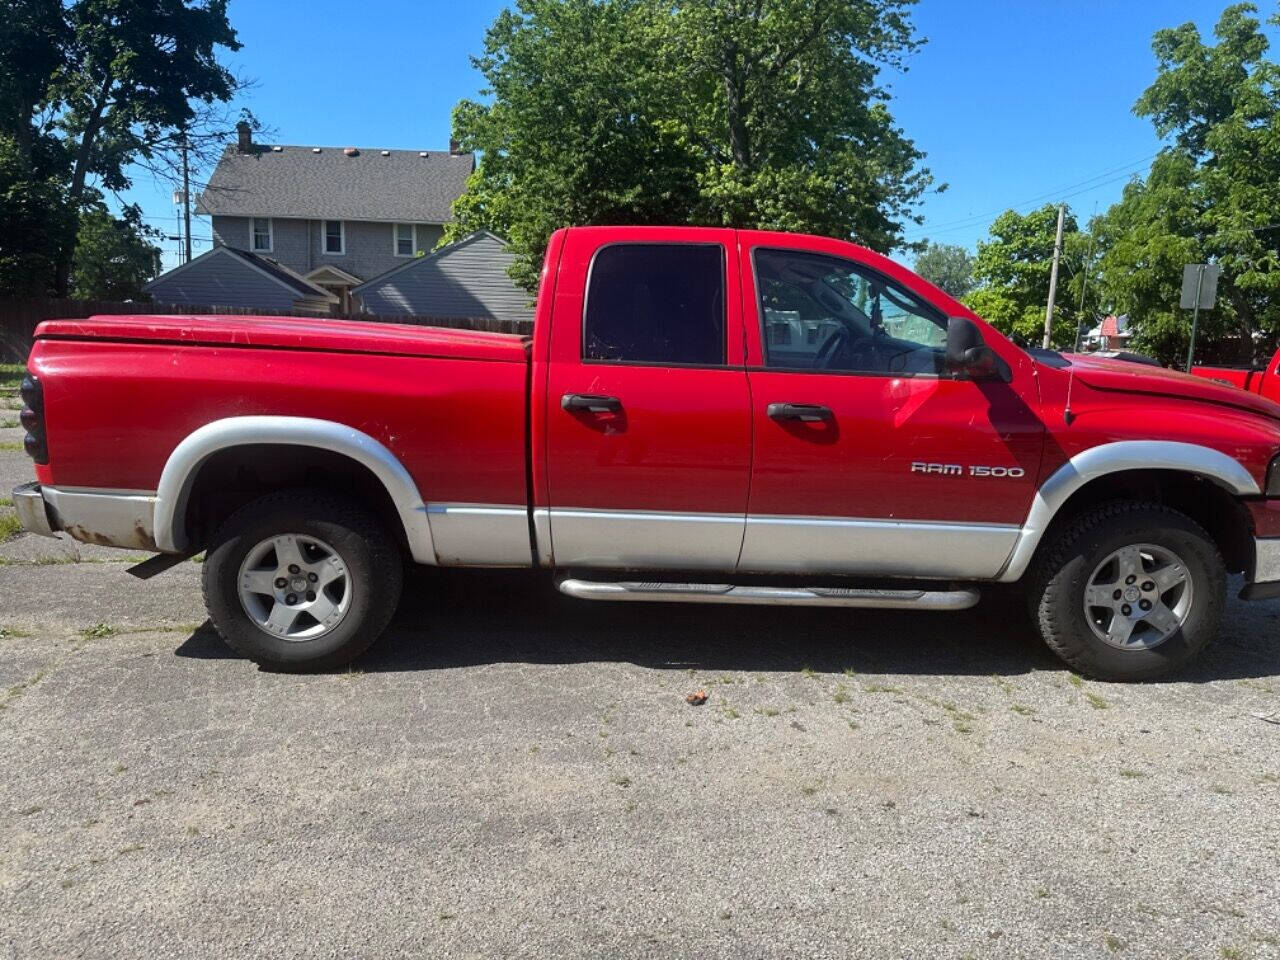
(967, 355)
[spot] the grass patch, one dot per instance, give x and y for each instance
(882, 688)
(11, 633)
(10, 525)
(1022, 710)
(10, 446)
(8, 424)
(768, 711)
(1075, 680)
(1129, 774)
(1095, 701)
(99, 631)
(1113, 943)
(841, 695)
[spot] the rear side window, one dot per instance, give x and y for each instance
(656, 303)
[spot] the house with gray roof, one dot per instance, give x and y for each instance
(467, 278)
(226, 276)
(334, 216)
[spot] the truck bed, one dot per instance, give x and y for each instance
(296, 333)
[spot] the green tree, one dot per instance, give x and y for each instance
(751, 113)
(36, 219)
(140, 77)
(114, 257)
(1213, 194)
(947, 266)
(1013, 269)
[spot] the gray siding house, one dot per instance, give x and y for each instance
(334, 217)
(465, 279)
(229, 277)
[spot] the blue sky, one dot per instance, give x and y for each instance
(1016, 102)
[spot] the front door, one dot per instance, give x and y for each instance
(648, 429)
(869, 457)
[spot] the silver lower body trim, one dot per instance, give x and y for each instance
(784, 596)
(109, 518)
(1267, 560)
(480, 534)
(640, 539)
(887, 548)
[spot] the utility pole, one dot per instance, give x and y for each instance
(1053, 278)
(186, 204)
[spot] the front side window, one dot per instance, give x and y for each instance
(654, 303)
(824, 313)
(333, 237)
(262, 234)
(404, 240)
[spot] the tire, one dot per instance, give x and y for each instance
(1089, 559)
(348, 572)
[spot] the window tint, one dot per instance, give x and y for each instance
(656, 303)
(824, 313)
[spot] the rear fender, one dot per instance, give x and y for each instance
(184, 464)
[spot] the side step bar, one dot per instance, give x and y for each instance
(961, 599)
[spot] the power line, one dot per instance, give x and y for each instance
(1060, 193)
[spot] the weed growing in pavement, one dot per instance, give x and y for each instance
(1095, 701)
(12, 633)
(99, 631)
(7, 447)
(1129, 774)
(841, 695)
(881, 688)
(1113, 943)
(10, 525)
(1022, 709)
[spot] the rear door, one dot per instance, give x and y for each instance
(647, 419)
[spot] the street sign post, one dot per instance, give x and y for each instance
(1199, 292)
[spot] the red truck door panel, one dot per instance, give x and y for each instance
(647, 422)
(868, 458)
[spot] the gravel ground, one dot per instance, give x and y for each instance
(510, 773)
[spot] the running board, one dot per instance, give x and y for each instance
(654, 592)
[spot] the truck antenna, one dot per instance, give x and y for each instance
(1067, 416)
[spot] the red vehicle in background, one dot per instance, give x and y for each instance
(701, 415)
(1264, 381)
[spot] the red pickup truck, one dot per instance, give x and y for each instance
(1264, 381)
(701, 415)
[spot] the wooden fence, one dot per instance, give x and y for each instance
(19, 319)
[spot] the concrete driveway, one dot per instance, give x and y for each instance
(512, 774)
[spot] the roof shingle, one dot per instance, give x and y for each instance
(295, 181)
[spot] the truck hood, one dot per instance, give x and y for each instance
(1126, 377)
(293, 333)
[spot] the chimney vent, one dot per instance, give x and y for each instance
(386, 153)
(351, 152)
(244, 137)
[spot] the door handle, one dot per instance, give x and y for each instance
(808, 412)
(591, 403)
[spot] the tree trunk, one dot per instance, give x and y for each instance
(739, 142)
(79, 175)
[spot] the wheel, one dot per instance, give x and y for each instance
(1129, 591)
(301, 580)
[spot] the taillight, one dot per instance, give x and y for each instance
(36, 442)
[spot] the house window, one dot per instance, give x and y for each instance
(335, 237)
(261, 235)
(405, 246)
